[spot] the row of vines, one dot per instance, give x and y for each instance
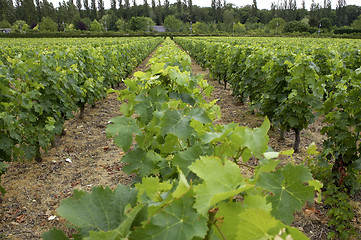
(42, 84)
(292, 82)
(188, 181)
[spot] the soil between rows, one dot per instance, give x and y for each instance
(84, 158)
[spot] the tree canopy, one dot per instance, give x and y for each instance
(126, 15)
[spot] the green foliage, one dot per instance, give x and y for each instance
(69, 28)
(20, 26)
(48, 25)
(239, 28)
(100, 210)
(121, 25)
(281, 84)
(200, 28)
(292, 85)
(325, 23)
(95, 26)
(5, 24)
(342, 149)
(357, 23)
(43, 85)
(296, 26)
(278, 23)
(172, 24)
(288, 190)
(141, 24)
(187, 185)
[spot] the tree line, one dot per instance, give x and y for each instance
(182, 16)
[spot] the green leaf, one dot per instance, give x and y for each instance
(141, 162)
(185, 158)
(120, 232)
(172, 144)
(257, 224)
(178, 220)
(182, 187)
(221, 181)
(229, 213)
(179, 77)
(271, 155)
(252, 219)
(122, 130)
(100, 210)
(139, 74)
(157, 68)
(54, 234)
(288, 188)
(153, 188)
(267, 165)
(175, 122)
(144, 108)
(255, 139)
(288, 152)
(312, 149)
(200, 115)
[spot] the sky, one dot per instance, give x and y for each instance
(261, 4)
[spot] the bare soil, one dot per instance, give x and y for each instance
(84, 158)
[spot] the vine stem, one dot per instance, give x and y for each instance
(212, 215)
(247, 166)
(220, 232)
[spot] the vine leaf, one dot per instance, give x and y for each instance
(100, 210)
(178, 220)
(153, 188)
(185, 158)
(141, 162)
(255, 139)
(252, 220)
(221, 181)
(120, 232)
(175, 122)
(122, 130)
(144, 108)
(288, 188)
(54, 234)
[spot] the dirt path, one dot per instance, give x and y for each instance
(84, 158)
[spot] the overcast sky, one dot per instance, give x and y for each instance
(239, 3)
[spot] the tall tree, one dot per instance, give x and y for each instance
(135, 9)
(28, 11)
(86, 8)
(159, 13)
(219, 11)
(190, 10)
(146, 8)
(113, 5)
(127, 9)
(179, 6)
(38, 9)
(79, 7)
(7, 11)
(120, 9)
(93, 13)
(73, 13)
(166, 8)
(47, 10)
(255, 8)
(101, 8)
(341, 12)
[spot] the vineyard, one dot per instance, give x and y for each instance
(192, 176)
